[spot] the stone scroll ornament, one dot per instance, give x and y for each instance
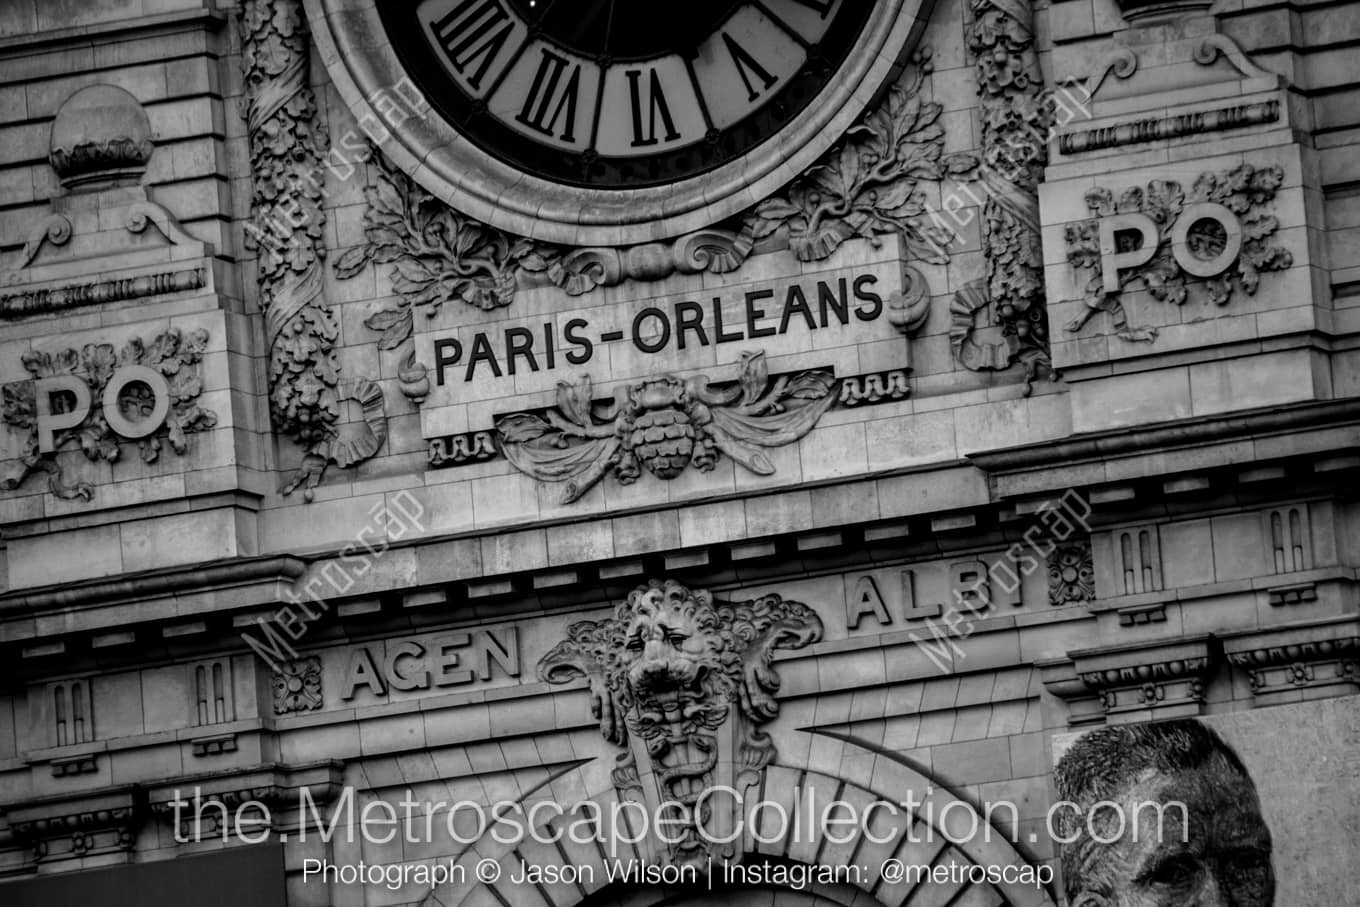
(82, 377)
(1171, 211)
(1016, 116)
(665, 424)
(287, 141)
(685, 683)
(871, 184)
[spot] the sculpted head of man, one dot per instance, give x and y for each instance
(1158, 815)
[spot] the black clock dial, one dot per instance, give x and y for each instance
(621, 93)
(626, 29)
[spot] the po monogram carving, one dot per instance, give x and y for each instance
(153, 399)
(1215, 234)
(665, 424)
(686, 682)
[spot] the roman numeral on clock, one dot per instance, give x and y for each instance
(748, 66)
(657, 108)
(473, 34)
(539, 112)
(820, 7)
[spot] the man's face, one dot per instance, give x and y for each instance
(1213, 853)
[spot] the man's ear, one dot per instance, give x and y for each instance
(1090, 899)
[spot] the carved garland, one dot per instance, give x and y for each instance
(1016, 118)
(171, 354)
(665, 424)
(286, 231)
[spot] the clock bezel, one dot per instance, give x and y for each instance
(364, 66)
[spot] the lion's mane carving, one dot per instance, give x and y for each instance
(669, 667)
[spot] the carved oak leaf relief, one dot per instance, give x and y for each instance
(664, 424)
(870, 183)
(1242, 190)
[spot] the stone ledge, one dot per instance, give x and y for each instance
(168, 22)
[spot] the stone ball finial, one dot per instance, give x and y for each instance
(101, 135)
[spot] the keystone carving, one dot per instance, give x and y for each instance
(157, 386)
(685, 682)
(1216, 235)
(286, 231)
(665, 424)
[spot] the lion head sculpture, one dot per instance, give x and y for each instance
(669, 667)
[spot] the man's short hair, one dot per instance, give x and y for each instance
(1104, 764)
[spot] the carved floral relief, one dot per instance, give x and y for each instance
(665, 424)
(172, 355)
(1243, 191)
(287, 143)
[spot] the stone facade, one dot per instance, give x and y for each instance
(1026, 406)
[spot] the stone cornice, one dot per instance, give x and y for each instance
(1321, 657)
(1169, 435)
(196, 578)
(79, 825)
(1144, 677)
(1160, 128)
(121, 29)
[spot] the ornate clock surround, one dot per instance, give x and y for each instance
(354, 46)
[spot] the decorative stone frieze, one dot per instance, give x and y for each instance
(287, 142)
(45, 300)
(684, 682)
(665, 424)
(64, 828)
(98, 398)
(228, 805)
(1170, 126)
(1161, 679)
(1216, 236)
(297, 686)
(1301, 661)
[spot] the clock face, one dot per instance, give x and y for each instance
(621, 94)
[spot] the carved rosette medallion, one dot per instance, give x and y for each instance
(1216, 237)
(1071, 575)
(297, 686)
(155, 391)
(684, 683)
(665, 424)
